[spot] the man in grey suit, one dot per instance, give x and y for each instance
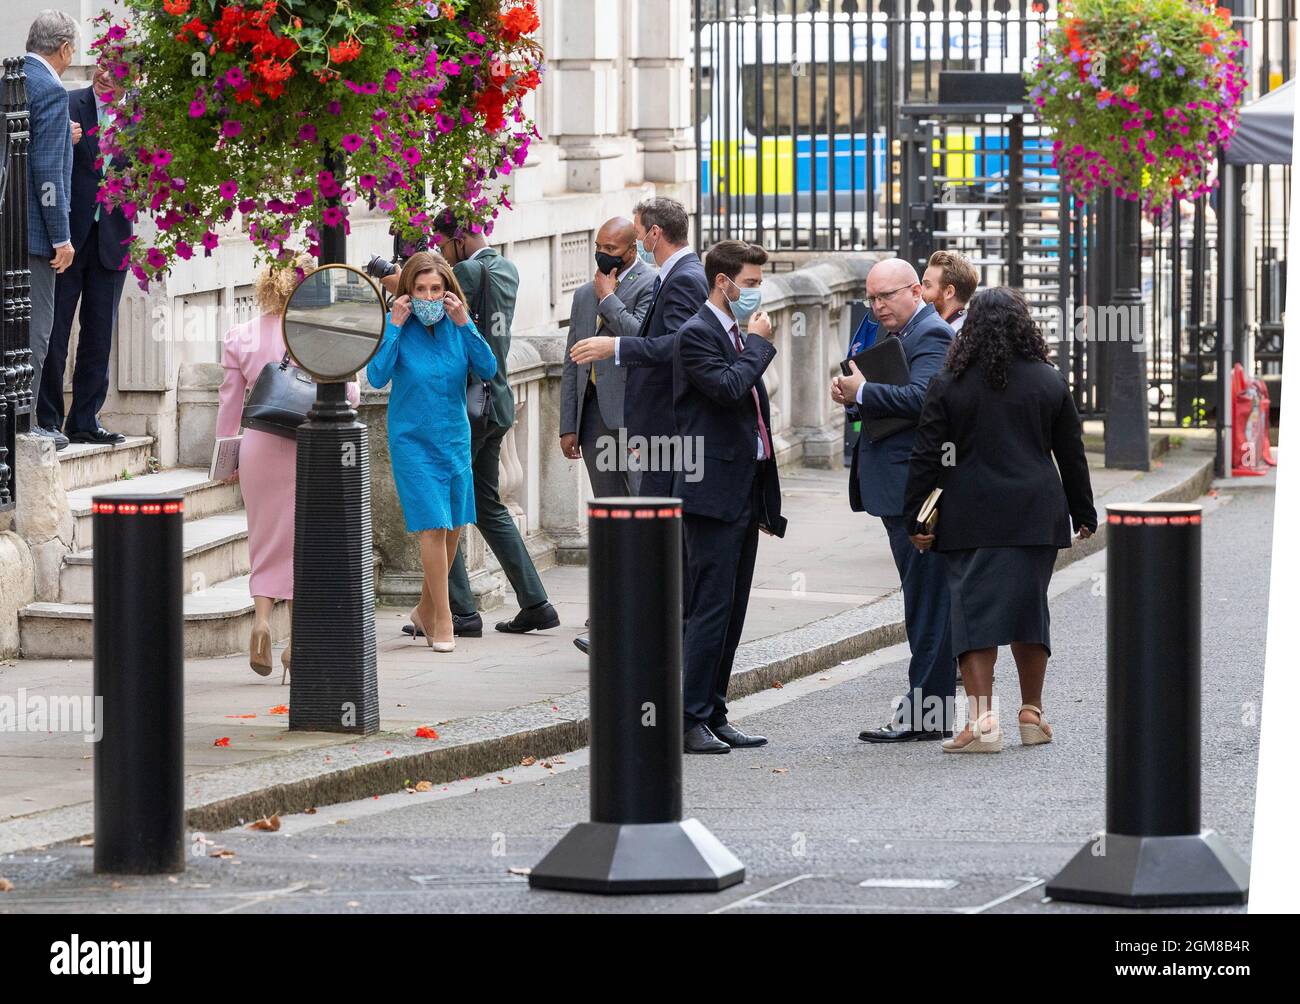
(51, 48)
(591, 394)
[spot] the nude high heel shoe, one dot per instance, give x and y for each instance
(284, 661)
(419, 629)
(259, 650)
(984, 742)
(1033, 733)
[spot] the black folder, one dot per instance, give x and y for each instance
(884, 362)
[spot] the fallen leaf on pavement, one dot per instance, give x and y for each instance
(780, 770)
(519, 871)
(503, 780)
(528, 761)
(223, 741)
(279, 709)
(425, 732)
(241, 716)
(778, 685)
(557, 759)
(222, 853)
(268, 823)
(310, 812)
(88, 842)
(424, 786)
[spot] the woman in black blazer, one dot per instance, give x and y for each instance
(993, 419)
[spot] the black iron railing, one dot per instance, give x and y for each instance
(15, 276)
(809, 119)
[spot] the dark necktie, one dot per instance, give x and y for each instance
(758, 408)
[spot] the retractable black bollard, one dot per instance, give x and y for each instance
(1153, 852)
(139, 685)
(637, 841)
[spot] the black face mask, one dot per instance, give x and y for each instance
(606, 263)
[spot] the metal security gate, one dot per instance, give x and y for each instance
(797, 109)
(15, 277)
(824, 125)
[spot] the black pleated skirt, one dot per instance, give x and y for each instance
(999, 596)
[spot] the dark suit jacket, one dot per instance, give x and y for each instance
(649, 356)
(498, 314)
(713, 405)
(114, 228)
(879, 471)
(1000, 487)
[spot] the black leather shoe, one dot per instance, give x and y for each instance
(701, 740)
(734, 738)
(100, 437)
(895, 733)
(583, 644)
(470, 626)
(537, 618)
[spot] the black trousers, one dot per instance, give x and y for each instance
(98, 289)
(719, 571)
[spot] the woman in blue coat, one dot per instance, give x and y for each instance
(430, 345)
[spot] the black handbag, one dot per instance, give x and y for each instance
(478, 393)
(280, 399)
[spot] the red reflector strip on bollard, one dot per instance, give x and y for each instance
(1115, 519)
(133, 508)
(1157, 520)
(665, 513)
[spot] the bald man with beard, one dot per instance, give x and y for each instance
(877, 483)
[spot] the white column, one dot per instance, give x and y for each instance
(660, 54)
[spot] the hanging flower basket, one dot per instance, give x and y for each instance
(289, 112)
(1140, 96)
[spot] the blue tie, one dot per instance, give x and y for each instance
(654, 295)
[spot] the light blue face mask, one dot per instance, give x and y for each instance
(750, 300)
(645, 254)
(427, 312)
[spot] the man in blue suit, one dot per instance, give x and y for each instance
(51, 47)
(876, 484)
(95, 279)
(678, 293)
(720, 403)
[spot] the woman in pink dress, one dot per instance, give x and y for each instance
(268, 464)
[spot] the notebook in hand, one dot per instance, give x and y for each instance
(928, 514)
(225, 458)
(884, 362)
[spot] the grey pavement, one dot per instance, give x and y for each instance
(822, 822)
(833, 565)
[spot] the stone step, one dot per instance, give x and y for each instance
(214, 549)
(203, 497)
(84, 464)
(218, 621)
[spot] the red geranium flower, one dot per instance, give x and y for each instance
(345, 51)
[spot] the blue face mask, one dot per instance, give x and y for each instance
(427, 312)
(645, 254)
(750, 300)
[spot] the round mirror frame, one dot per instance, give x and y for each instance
(284, 323)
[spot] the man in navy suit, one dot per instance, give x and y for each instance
(94, 279)
(51, 47)
(679, 291)
(720, 403)
(877, 482)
